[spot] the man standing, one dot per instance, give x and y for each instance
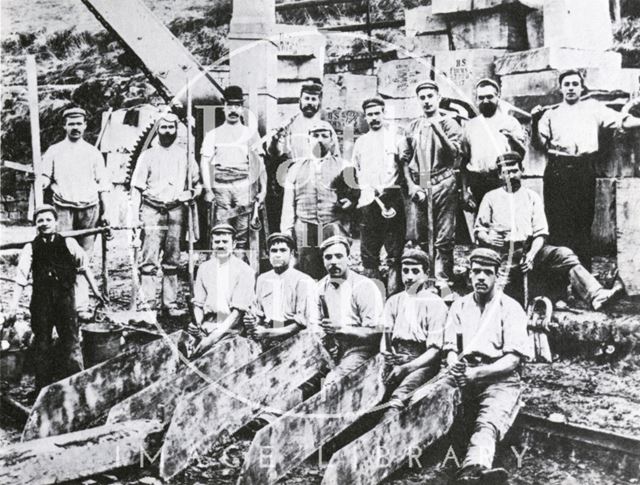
(232, 171)
(158, 202)
(511, 221)
(350, 307)
(429, 158)
(223, 291)
(486, 137)
(285, 297)
(414, 331)
(76, 173)
(53, 261)
(311, 199)
(569, 134)
(493, 330)
(376, 157)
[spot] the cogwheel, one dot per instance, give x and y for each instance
(142, 143)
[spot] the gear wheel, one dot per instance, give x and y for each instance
(142, 143)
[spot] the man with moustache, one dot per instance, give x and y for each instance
(311, 199)
(160, 193)
(292, 143)
(233, 172)
(76, 173)
(354, 308)
(511, 221)
(285, 297)
(569, 134)
(376, 158)
(486, 137)
(414, 331)
(492, 329)
(430, 155)
(223, 291)
(55, 263)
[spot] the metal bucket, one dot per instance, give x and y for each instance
(11, 362)
(100, 342)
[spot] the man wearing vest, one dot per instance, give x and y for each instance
(158, 199)
(53, 261)
(76, 173)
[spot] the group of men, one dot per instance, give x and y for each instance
(407, 186)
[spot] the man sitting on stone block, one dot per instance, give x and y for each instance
(223, 291)
(285, 297)
(414, 331)
(511, 220)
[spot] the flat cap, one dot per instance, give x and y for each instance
(427, 85)
(415, 256)
(485, 256)
(509, 158)
(74, 113)
(488, 82)
(45, 208)
(321, 125)
(281, 237)
(223, 229)
(375, 101)
(313, 85)
(233, 94)
(338, 239)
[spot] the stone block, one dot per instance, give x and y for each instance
(581, 24)
(458, 71)
(420, 20)
(456, 6)
(535, 29)
(288, 89)
(495, 29)
(299, 68)
(286, 112)
(348, 91)
(546, 58)
(300, 41)
(603, 229)
(422, 45)
(546, 82)
(403, 108)
(534, 162)
(628, 233)
(398, 78)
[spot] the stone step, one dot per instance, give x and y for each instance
(558, 58)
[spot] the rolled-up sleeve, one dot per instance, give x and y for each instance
(24, 266)
(47, 166)
(538, 218)
(436, 321)
(483, 219)
(287, 220)
(140, 175)
(369, 303)
(452, 328)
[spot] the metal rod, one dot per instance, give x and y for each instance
(190, 266)
(281, 7)
(105, 269)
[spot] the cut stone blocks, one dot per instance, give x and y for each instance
(535, 29)
(401, 109)
(348, 91)
(455, 6)
(420, 20)
(581, 24)
(545, 82)
(492, 29)
(398, 78)
(546, 58)
(422, 45)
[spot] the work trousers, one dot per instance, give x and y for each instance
(71, 219)
(161, 234)
(230, 198)
(497, 404)
(348, 363)
(482, 182)
(445, 204)
(569, 202)
(376, 232)
(54, 306)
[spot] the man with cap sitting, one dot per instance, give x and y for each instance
(53, 261)
(376, 157)
(487, 136)
(511, 220)
(160, 193)
(311, 199)
(429, 158)
(223, 292)
(414, 331)
(233, 172)
(350, 307)
(285, 297)
(492, 330)
(76, 173)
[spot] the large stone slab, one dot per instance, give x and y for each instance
(79, 454)
(78, 401)
(348, 91)
(158, 401)
(268, 383)
(421, 20)
(455, 6)
(628, 231)
(495, 29)
(294, 437)
(381, 451)
(581, 24)
(424, 45)
(403, 109)
(398, 78)
(535, 29)
(458, 71)
(556, 58)
(542, 83)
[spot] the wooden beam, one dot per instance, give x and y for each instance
(34, 119)
(158, 401)
(78, 401)
(79, 454)
(20, 167)
(287, 442)
(272, 380)
(398, 438)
